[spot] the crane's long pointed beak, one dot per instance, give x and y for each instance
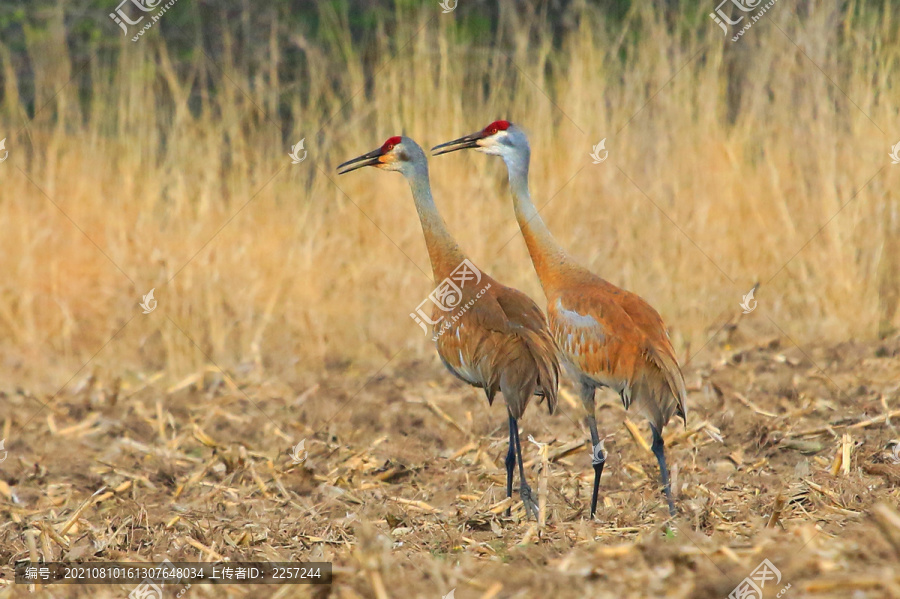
(370, 159)
(465, 142)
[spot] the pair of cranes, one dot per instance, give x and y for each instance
(604, 336)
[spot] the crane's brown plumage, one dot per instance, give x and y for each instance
(617, 340)
(501, 344)
(495, 337)
(607, 337)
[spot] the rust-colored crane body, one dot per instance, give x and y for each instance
(491, 336)
(607, 337)
(501, 343)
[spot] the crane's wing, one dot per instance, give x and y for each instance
(502, 343)
(527, 321)
(592, 339)
(658, 349)
(618, 340)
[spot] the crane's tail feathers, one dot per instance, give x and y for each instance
(674, 380)
(661, 392)
(526, 365)
(542, 350)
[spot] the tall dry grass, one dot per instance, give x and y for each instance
(725, 159)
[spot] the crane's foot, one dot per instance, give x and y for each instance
(531, 504)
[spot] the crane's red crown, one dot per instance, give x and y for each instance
(390, 143)
(495, 127)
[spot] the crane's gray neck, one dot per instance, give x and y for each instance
(443, 251)
(545, 251)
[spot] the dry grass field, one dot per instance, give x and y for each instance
(284, 294)
(403, 485)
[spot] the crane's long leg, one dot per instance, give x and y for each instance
(525, 493)
(659, 450)
(511, 458)
(598, 456)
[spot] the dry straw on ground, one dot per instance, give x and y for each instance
(403, 488)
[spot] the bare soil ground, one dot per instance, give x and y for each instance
(786, 456)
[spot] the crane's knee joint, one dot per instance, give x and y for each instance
(598, 455)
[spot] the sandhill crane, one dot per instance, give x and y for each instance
(501, 341)
(607, 337)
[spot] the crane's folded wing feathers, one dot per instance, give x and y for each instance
(501, 343)
(619, 341)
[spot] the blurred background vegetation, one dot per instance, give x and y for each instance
(163, 164)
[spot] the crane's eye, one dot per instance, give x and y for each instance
(389, 148)
(492, 131)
